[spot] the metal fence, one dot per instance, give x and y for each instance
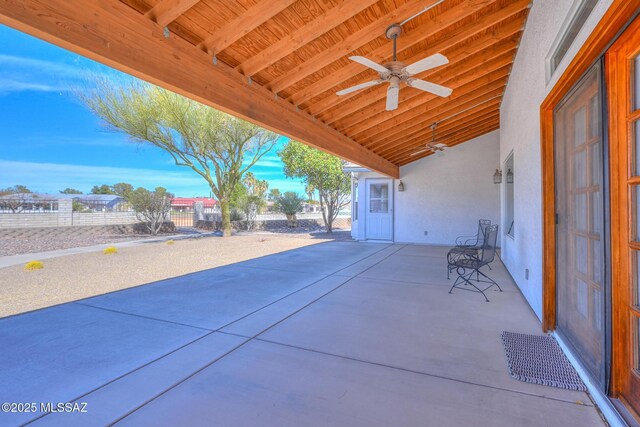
(18, 205)
(89, 205)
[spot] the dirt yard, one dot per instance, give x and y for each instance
(74, 277)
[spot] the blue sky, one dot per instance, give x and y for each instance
(49, 141)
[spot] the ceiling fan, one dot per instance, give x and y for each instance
(437, 148)
(396, 72)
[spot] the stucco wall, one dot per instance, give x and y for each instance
(520, 134)
(444, 196)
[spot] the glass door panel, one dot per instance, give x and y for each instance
(579, 239)
(623, 82)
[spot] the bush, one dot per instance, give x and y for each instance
(34, 265)
(236, 215)
(152, 207)
(110, 250)
(289, 204)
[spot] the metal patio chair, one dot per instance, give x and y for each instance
(467, 246)
(467, 266)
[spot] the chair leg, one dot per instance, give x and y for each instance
(492, 281)
(468, 283)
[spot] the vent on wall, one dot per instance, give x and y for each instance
(576, 18)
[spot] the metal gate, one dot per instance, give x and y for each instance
(182, 212)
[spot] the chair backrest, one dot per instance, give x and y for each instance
(482, 230)
(489, 245)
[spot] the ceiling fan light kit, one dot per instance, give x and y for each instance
(396, 72)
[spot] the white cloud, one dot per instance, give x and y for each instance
(18, 74)
(9, 85)
(47, 67)
(266, 163)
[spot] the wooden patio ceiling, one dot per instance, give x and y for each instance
(279, 63)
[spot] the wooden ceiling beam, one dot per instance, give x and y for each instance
(484, 94)
(453, 129)
(361, 121)
(456, 73)
(303, 35)
(457, 140)
(382, 54)
(167, 11)
(242, 25)
(118, 36)
(458, 39)
(421, 135)
(358, 39)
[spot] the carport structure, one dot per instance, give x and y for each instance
(555, 106)
(279, 63)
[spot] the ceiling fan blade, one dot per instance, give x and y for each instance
(369, 63)
(430, 87)
(358, 87)
(427, 63)
(415, 153)
(392, 97)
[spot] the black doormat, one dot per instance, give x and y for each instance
(538, 359)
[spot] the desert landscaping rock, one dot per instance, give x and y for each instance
(73, 277)
(23, 245)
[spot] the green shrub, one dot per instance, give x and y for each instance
(289, 203)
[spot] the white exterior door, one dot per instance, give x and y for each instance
(379, 209)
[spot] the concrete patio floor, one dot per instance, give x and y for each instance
(337, 333)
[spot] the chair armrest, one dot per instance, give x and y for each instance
(465, 240)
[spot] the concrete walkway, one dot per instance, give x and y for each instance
(339, 334)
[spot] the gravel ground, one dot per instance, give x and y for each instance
(74, 277)
(27, 245)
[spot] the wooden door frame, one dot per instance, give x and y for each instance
(621, 155)
(607, 30)
(614, 21)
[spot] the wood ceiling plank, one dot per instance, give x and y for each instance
(243, 25)
(422, 134)
(457, 73)
(451, 130)
(456, 141)
(354, 41)
(487, 93)
(385, 136)
(167, 11)
(450, 45)
(303, 35)
(375, 116)
(120, 37)
(383, 53)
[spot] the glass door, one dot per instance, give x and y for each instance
(580, 261)
(623, 63)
